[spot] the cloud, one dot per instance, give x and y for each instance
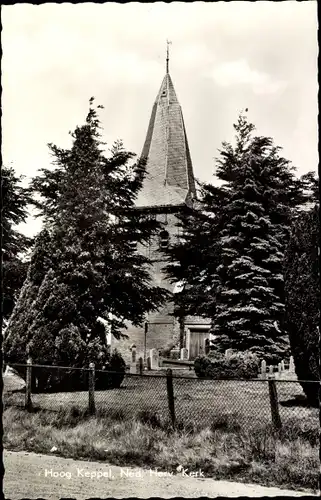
(193, 54)
(240, 73)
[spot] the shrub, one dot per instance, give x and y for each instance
(105, 380)
(165, 351)
(52, 379)
(244, 365)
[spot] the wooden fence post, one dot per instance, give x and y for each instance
(141, 366)
(91, 388)
(28, 402)
(170, 394)
(276, 420)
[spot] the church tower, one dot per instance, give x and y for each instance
(168, 188)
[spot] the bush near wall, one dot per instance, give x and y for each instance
(240, 365)
(70, 380)
(112, 380)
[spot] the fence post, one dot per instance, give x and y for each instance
(28, 402)
(276, 420)
(91, 388)
(170, 394)
(141, 366)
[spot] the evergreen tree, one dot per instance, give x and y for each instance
(238, 264)
(195, 255)
(84, 266)
(14, 210)
(311, 188)
(302, 292)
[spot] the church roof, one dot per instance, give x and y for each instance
(169, 180)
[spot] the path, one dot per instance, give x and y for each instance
(29, 475)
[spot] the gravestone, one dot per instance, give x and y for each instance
(184, 353)
(270, 371)
(228, 353)
(282, 365)
(148, 363)
(279, 368)
(263, 368)
(133, 368)
(134, 354)
(154, 358)
(291, 367)
(207, 346)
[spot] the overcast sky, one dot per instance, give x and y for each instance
(224, 57)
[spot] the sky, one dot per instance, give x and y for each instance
(224, 57)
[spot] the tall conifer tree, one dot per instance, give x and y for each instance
(15, 199)
(84, 266)
(247, 225)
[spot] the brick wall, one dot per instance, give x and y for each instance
(162, 326)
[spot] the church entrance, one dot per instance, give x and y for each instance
(197, 339)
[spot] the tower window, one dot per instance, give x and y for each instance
(133, 245)
(163, 240)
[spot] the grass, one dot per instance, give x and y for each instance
(195, 400)
(225, 449)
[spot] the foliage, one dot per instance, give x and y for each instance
(110, 376)
(230, 255)
(302, 287)
(165, 352)
(84, 266)
(239, 365)
(14, 210)
(311, 187)
(112, 380)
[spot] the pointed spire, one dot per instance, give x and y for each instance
(169, 180)
(167, 57)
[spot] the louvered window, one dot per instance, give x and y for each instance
(133, 245)
(163, 240)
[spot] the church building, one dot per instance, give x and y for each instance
(168, 188)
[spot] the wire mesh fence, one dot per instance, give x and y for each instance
(177, 399)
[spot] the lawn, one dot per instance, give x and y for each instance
(196, 401)
(223, 427)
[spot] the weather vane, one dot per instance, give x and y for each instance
(167, 58)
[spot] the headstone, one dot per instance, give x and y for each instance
(263, 368)
(148, 363)
(282, 365)
(184, 353)
(228, 353)
(133, 368)
(270, 370)
(154, 358)
(279, 368)
(134, 354)
(291, 366)
(207, 346)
